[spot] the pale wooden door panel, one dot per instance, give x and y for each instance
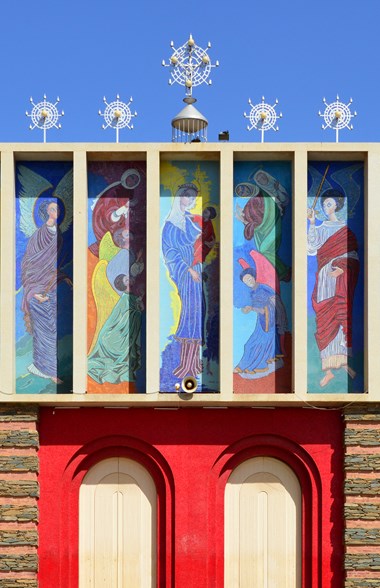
(117, 526)
(263, 526)
(105, 531)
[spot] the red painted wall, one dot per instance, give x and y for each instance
(190, 453)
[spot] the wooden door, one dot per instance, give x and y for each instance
(263, 526)
(117, 526)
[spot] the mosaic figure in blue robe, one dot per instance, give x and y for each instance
(262, 352)
(41, 271)
(179, 235)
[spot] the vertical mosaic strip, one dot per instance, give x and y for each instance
(262, 277)
(44, 269)
(335, 300)
(189, 276)
(116, 277)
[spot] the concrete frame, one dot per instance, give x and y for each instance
(226, 153)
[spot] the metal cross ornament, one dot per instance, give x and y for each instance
(190, 65)
(44, 115)
(337, 115)
(263, 117)
(117, 115)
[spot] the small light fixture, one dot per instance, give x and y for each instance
(224, 136)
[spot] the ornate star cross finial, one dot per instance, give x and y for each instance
(190, 65)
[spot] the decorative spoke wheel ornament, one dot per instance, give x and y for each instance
(117, 115)
(44, 115)
(337, 115)
(262, 117)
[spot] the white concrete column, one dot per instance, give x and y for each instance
(226, 273)
(299, 273)
(80, 273)
(372, 275)
(7, 275)
(153, 248)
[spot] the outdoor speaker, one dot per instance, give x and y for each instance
(189, 385)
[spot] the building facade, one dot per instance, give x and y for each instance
(188, 365)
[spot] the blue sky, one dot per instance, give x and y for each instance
(297, 51)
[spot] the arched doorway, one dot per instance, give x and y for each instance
(117, 526)
(263, 526)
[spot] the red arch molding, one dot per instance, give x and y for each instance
(308, 475)
(82, 461)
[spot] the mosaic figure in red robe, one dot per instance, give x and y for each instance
(336, 249)
(206, 241)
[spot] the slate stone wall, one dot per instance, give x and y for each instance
(362, 496)
(18, 496)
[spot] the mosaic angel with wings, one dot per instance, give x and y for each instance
(43, 220)
(336, 249)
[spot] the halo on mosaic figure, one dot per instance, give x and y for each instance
(193, 185)
(123, 182)
(39, 213)
(33, 192)
(265, 272)
(246, 190)
(345, 181)
(271, 185)
(210, 204)
(319, 212)
(126, 179)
